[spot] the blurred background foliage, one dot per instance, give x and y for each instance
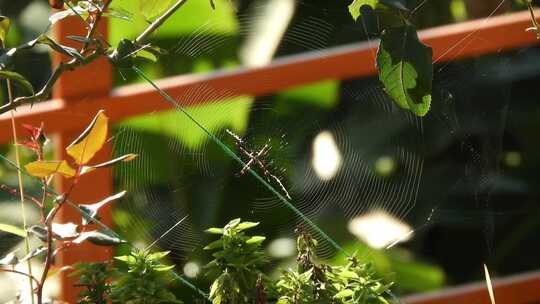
(477, 201)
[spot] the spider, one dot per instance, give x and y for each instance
(256, 158)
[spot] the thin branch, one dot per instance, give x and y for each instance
(21, 273)
(158, 22)
(46, 90)
(94, 26)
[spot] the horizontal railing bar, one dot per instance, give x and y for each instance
(450, 42)
(516, 289)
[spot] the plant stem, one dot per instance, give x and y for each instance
(48, 224)
(21, 186)
(48, 259)
(158, 22)
(21, 273)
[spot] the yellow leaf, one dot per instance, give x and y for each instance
(90, 141)
(46, 168)
(4, 28)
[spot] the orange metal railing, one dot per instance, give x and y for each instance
(80, 94)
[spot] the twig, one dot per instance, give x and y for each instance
(159, 21)
(93, 28)
(50, 235)
(30, 277)
(46, 90)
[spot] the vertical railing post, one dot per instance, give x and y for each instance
(90, 81)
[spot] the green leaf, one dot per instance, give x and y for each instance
(151, 9)
(39, 231)
(90, 210)
(354, 7)
(345, 293)
(246, 225)
(161, 268)
(158, 255)
(13, 230)
(214, 245)
(406, 69)
(9, 260)
(128, 259)
(233, 223)
(62, 49)
(34, 253)
(4, 28)
(18, 79)
(255, 240)
(214, 230)
(100, 238)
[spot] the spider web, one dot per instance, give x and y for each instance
(445, 170)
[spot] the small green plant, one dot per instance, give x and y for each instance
(238, 277)
(145, 281)
(236, 265)
(95, 279)
(353, 283)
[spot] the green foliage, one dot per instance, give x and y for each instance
(237, 263)
(353, 283)
(404, 63)
(94, 278)
(405, 69)
(354, 7)
(145, 281)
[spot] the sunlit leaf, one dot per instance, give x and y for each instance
(345, 293)
(158, 255)
(151, 9)
(246, 225)
(9, 260)
(161, 268)
(123, 158)
(39, 231)
(43, 169)
(4, 28)
(214, 230)
(62, 49)
(100, 238)
(34, 253)
(406, 69)
(354, 7)
(17, 79)
(65, 231)
(90, 141)
(214, 245)
(255, 240)
(13, 230)
(91, 210)
(127, 259)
